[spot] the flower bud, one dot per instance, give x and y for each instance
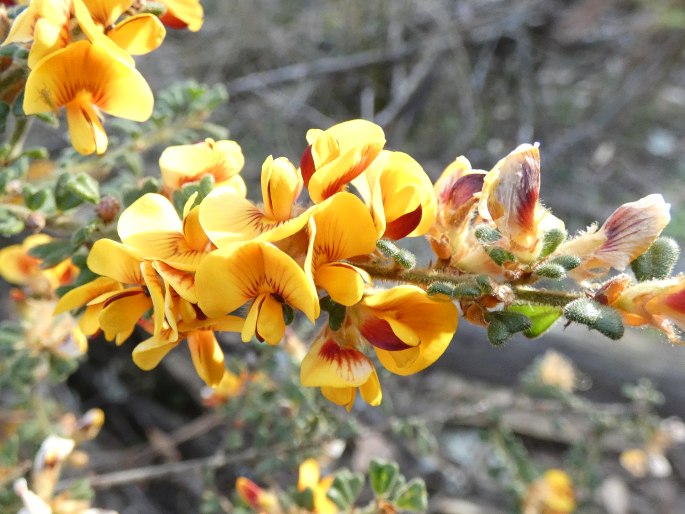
(657, 262)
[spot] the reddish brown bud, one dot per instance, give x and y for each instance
(108, 208)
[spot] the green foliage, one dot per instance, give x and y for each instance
(346, 488)
(657, 262)
(502, 325)
(383, 476)
(551, 270)
(73, 190)
(500, 255)
(10, 223)
(336, 312)
(542, 317)
(598, 317)
(404, 258)
(486, 234)
(551, 241)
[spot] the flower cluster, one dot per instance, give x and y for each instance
(227, 264)
(80, 58)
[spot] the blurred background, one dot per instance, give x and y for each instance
(599, 83)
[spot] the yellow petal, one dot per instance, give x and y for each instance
(183, 282)
(48, 37)
(228, 278)
(156, 291)
(434, 321)
(107, 12)
(148, 354)
(85, 128)
(119, 317)
(115, 260)
(189, 163)
(270, 324)
(308, 475)
(189, 12)
(281, 184)
(229, 218)
(139, 34)
(343, 396)
(194, 233)
(152, 213)
(207, 356)
(341, 281)
(95, 32)
(250, 326)
(330, 365)
(371, 390)
(115, 87)
(81, 295)
(344, 229)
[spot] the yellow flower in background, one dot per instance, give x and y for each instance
(337, 155)
(626, 234)
(137, 35)
(19, 268)
(310, 478)
(262, 275)
(552, 493)
(260, 500)
(228, 217)
(183, 164)
(183, 14)
(511, 201)
(341, 228)
(408, 329)
(85, 79)
(399, 194)
(57, 334)
(335, 364)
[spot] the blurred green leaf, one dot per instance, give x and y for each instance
(413, 496)
(382, 475)
(542, 317)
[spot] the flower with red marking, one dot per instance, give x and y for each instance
(334, 364)
(261, 501)
(228, 217)
(337, 155)
(181, 14)
(625, 235)
(399, 194)
(260, 274)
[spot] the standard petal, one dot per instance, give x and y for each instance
(115, 260)
(138, 35)
(327, 364)
(150, 214)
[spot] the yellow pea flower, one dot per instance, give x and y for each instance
(19, 268)
(626, 234)
(183, 164)
(310, 478)
(84, 79)
(400, 195)
(228, 217)
(260, 500)
(137, 35)
(337, 155)
(552, 493)
(259, 273)
(510, 200)
(408, 329)
(152, 226)
(182, 14)
(341, 228)
(334, 364)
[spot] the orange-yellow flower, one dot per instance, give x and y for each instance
(408, 329)
(19, 268)
(262, 275)
(337, 155)
(341, 228)
(182, 14)
(183, 164)
(137, 35)
(85, 79)
(228, 217)
(399, 194)
(261, 501)
(310, 478)
(552, 493)
(336, 365)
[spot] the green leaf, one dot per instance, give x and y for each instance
(346, 488)
(304, 499)
(500, 255)
(413, 496)
(542, 317)
(10, 223)
(52, 253)
(568, 262)
(288, 314)
(550, 270)
(596, 316)
(466, 291)
(498, 333)
(33, 199)
(72, 190)
(486, 234)
(551, 241)
(440, 288)
(382, 475)
(657, 262)
(514, 321)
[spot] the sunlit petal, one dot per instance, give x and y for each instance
(207, 356)
(139, 34)
(115, 260)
